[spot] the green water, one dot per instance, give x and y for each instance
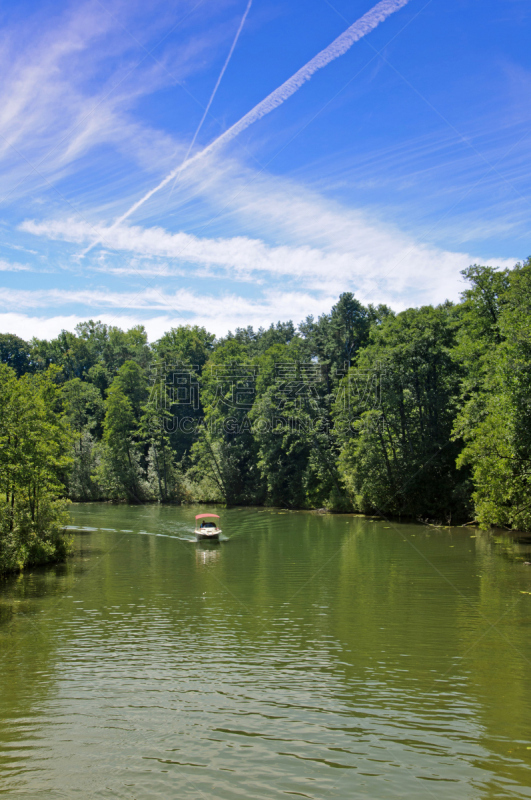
(307, 656)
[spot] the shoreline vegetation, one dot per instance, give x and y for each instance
(423, 414)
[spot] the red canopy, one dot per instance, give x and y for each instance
(202, 516)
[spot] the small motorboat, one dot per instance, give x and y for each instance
(206, 527)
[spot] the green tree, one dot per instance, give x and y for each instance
(122, 458)
(397, 455)
(34, 447)
(188, 345)
(131, 345)
(115, 347)
(132, 380)
(67, 351)
(257, 342)
(495, 421)
(16, 353)
(119, 470)
(84, 412)
(291, 423)
(92, 344)
(179, 358)
(164, 474)
(224, 455)
(336, 337)
(83, 405)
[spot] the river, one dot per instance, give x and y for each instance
(305, 655)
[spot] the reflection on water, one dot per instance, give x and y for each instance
(307, 655)
(207, 552)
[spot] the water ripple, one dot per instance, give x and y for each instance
(166, 668)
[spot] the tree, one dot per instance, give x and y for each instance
(291, 425)
(121, 346)
(397, 455)
(164, 474)
(225, 451)
(16, 353)
(111, 346)
(132, 380)
(336, 337)
(257, 342)
(93, 344)
(119, 472)
(67, 351)
(188, 345)
(34, 454)
(495, 421)
(83, 405)
(84, 411)
(179, 360)
(122, 456)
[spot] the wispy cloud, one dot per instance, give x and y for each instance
(50, 325)
(183, 300)
(82, 100)
(337, 48)
(344, 251)
(218, 313)
(12, 266)
(12, 246)
(76, 88)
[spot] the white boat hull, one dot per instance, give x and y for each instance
(212, 536)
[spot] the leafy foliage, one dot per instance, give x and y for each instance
(495, 421)
(16, 353)
(423, 414)
(401, 459)
(34, 447)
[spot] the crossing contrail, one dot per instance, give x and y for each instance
(221, 74)
(338, 47)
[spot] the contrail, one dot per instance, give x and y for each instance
(221, 74)
(338, 47)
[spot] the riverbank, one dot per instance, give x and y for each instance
(27, 542)
(216, 503)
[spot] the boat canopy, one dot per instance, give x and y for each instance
(202, 516)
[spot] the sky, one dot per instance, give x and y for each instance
(403, 158)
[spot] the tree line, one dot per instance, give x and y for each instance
(422, 414)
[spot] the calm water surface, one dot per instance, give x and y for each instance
(308, 656)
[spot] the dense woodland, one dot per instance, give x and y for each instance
(424, 414)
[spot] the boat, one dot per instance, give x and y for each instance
(207, 529)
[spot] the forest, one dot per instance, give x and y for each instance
(423, 414)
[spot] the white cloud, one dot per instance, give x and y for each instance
(349, 253)
(218, 314)
(48, 327)
(272, 304)
(12, 266)
(381, 258)
(299, 251)
(75, 85)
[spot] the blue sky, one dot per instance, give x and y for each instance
(397, 165)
